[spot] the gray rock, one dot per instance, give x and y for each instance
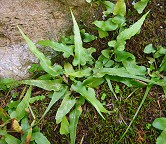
(39, 19)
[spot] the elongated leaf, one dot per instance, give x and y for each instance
(111, 88)
(55, 97)
(121, 72)
(74, 117)
(25, 139)
(81, 73)
(11, 139)
(120, 8)
(93, 82)
(140, 6)
(67, 50)
(160, 123)
(127, 81)
(163, 64)
(40, 138)
(162, 138)
(89, 94)
(82, 55)
(129, 32)
(49, 85)
(65, 107)
(44, 61)
(64, 129)
(20, 111)
(132, 30)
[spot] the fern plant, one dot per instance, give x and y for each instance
(75, 81)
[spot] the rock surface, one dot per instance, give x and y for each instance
(39, 19)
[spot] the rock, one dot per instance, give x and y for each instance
(39, 19)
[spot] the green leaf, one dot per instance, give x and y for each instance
(4, 115)
(102, 34)
(106, 53)
(140, 6)
(121, 72)
(160, 123)
(74, 117)
(20, 111)
(3, 131)
(64, 129)
(7, 83)
(133, 68)
(81, 73)
(44, 61)
(109, 63)
(65, 107)
(82, 55)
(112, 43)
(161, 50)
(69, 71)
(106, 25)
(45, 84)
(40, 138)
(89, 94)
(67, 50)
(109, 7)
(120, 8)
(68, 40)
(103, 61)
(129, 32)
(27, 131)
(2, 141)
(55, 97)
(162, 138)
(110, 87)
(123, 55)
(93, 82)
(25, 124)
(149, 49)
(88, 37)
(11, 139)
(120, 20)
(37, 98)
(163, 64)
(127, 81)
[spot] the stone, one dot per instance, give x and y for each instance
(39, 19)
